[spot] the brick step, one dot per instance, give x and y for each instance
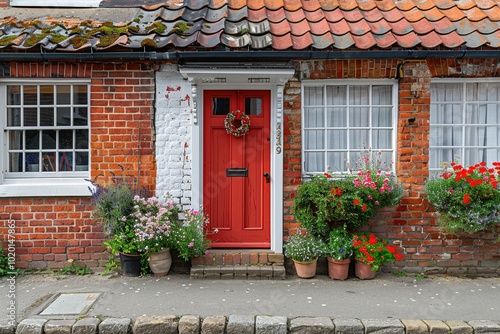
(239, 264)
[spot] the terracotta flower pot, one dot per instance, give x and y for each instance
(338, 269)
(363, 270)
(160, 262)
(306, 269)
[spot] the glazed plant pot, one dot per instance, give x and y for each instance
(338, 269)
(306, 269)
(131, 264)
(363, 270)
(160, 262)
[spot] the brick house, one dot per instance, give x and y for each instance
(147, 88)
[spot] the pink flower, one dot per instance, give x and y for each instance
(191, 244)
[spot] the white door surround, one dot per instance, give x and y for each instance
(213, 77)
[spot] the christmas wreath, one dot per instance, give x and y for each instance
(235, 118)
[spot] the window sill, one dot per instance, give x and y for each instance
(44, 188)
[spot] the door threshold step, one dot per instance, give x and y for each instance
(239, 264)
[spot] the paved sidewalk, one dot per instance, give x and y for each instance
(387, 296)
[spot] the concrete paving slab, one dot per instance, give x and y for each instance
(71, 303)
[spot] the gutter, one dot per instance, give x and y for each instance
(248, 55)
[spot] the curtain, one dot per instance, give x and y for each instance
(342, 120)
(465, 119)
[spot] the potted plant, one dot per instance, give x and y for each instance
(304, 250)
(370, 253)
(466, 198)
(351, 199)
(113, 206)
(189, 235)
(152, 221)
(339, 250)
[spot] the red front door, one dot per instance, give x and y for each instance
(236, 188)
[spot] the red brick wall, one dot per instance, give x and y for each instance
(411, 226)
(4, 3)
(52, 230)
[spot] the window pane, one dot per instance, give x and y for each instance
(381, 139)
(48, 139)
(253, 106)
(315, 162)
(314, 139)
(32, 140)
(382, 95)
(46, 116)
(314, 117)
(220, 106)
(14, 95)
(15, 140)
(30, 116)
(82, 161)
(336, 95)
(32, 162)
(15, 162)
(63, 94)
(337, 117)
(65, 162)
(337, 139)
(359, 95)
(80, 95)
(381, 117)
(359, 139)
(49, 162)
(337, 161)
(30, 96)
(66, 139)
(359, 117)
(47, 95)
(63, 116)
(82, 139)
(13, 117)
(313, 96)
(80, 116)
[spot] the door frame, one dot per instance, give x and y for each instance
(223, 77)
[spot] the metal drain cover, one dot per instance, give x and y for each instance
(71, 303)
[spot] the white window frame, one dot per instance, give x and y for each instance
(435, 168)
(55, 3)
(39, 183)
(355, 82)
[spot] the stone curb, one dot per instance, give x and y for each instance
(242, 324)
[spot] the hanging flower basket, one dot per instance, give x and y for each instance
(237, 123)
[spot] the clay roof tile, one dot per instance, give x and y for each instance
(302, 42)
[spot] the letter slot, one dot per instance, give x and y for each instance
(237, 172)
